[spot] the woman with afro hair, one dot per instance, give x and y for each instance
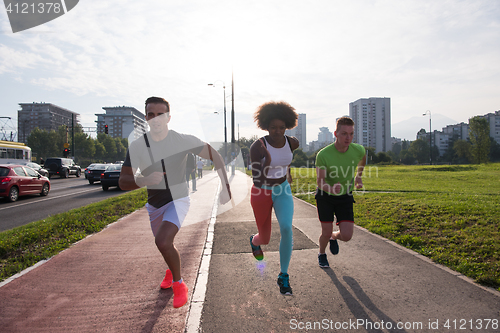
(271, 156)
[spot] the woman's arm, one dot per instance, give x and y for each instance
(259, 170)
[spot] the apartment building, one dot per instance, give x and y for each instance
(121, 121)
(45, 116)
(372, 118)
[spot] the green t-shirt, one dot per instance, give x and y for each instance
(340, 167)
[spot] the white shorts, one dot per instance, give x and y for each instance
(174, 212)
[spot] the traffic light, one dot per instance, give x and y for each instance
(106, 129)
(66, 152)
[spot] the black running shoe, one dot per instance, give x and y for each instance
(256, 250)
(323, 262)
(334, 246)
(284, 284)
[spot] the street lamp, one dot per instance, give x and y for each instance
(430, 134)
(225, 127)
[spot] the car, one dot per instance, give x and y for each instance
(62, 167)
(111, 176)
(38, 168)
(17, 180)
(94, 172)
(86, 171)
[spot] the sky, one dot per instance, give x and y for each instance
(317, 55)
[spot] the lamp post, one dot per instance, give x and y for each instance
(225, 127)
(233, 164)
(430, 134)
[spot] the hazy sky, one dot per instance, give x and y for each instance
(318, 55)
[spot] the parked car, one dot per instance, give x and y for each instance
(111, 176)
(62, 167)
(94, 172)
(38, 168)
(17, 180)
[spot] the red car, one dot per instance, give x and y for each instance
(17, 180)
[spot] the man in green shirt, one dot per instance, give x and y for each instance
(339, 166)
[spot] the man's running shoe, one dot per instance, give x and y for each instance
(256, 250)
(323, 262)
(167, 281)
(180, 294)
(284, 283)
(334, 246)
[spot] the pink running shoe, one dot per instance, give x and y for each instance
(167, 281)
(180, 294)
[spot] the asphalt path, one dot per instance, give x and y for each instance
(65, 194)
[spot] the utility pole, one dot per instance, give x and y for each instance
(232, 125)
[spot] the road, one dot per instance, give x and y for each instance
(65, 194)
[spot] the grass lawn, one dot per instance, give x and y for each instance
(447, 213)
(24, 246)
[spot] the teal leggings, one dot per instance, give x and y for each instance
(263, 200)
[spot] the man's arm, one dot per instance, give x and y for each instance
(128, 181)
(323, 185)
(211, 154)
(358, 181)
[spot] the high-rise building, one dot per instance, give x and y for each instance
(121, 121)
(45, 116)
(494, 122)
(299, 131)
(372, 119)
(325, 136)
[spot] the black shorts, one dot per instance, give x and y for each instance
(331, 205)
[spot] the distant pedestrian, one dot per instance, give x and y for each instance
(271, 156)
(199, 165)
(190, 171)
(339, 166)
(42, 161)
(161, 155)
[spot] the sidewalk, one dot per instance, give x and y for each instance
(373, 284)
(109, 282)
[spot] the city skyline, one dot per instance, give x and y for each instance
(424, 55)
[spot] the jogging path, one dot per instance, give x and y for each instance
(372, 284)
(109, 282)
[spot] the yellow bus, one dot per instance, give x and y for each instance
(14, 152)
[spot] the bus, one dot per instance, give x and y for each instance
(14, 152)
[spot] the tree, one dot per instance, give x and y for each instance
(383, 157)
(494, 151)
(419, 149)
(41, 143)
(406, 157)
(371, 157)
(462, 150)
(121, 150)
(396, 148)
(479, 134)
(299, 158)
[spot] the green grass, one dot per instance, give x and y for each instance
(447, 213)
(24, 246)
